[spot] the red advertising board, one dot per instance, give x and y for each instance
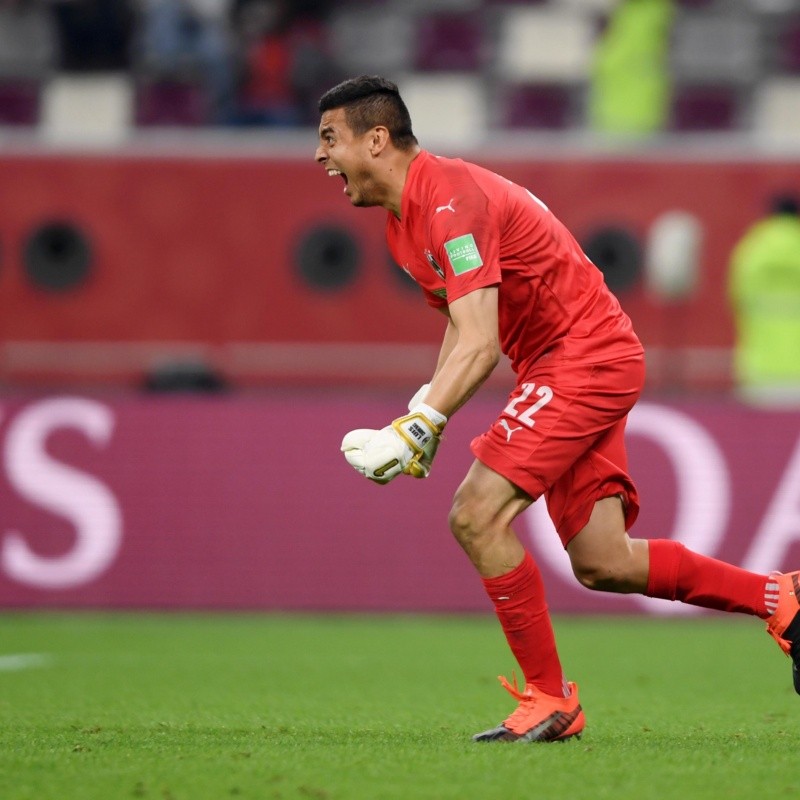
(246, 503)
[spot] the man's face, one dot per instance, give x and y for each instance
(345, 154)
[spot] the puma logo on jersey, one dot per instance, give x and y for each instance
(509, 429)
(448, 207)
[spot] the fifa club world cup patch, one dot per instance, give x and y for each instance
(463, 254)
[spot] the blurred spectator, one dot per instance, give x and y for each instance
(764, 286)
(190, 40)
(284, 62)
(94, 35)
(630, 91)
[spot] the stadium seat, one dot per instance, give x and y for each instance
(543, 45)
(715, 48)
(27, 39)
(19, 101)
(595, 6)
(86, 109)
(538, 106)
(447, 108)
(777, 108)
(370, 39)
(788, 55)
(704, 108)
(171, 103)
(449, 41)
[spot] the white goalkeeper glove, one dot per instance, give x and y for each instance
(382, 455)
(425, 461)
(420, 396)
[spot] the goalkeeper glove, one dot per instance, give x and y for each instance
(423, 466)
(382, 455)
(420, 396)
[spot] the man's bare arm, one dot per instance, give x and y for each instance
(470, 350)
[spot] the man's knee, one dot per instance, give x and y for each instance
(622, 567)
(599, 576)
(484, 506)
(603, 557)
(469, 521)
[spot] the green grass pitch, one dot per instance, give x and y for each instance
(180, 706)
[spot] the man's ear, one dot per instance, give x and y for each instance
(379, 139)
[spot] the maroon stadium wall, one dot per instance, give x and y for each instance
(246, 503)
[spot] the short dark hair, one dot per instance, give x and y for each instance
(370, 100)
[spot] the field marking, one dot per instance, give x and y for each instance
(14, 662)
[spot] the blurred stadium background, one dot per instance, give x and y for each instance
(191, 315)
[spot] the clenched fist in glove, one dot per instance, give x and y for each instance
(407, 445)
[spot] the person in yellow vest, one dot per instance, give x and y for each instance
(630, 85)
(764, 289)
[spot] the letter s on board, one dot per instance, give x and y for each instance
(84, 500)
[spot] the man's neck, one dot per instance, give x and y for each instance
(396, 179)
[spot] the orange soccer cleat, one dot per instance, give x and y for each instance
(783, 625)
(539, 717)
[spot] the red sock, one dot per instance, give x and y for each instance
(520, 604)
(676, 573)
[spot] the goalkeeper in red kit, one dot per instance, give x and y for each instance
(509, 277)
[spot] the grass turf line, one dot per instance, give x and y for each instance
(344, 708)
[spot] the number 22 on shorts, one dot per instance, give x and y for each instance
(544, 395)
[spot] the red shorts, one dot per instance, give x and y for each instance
(562, 436)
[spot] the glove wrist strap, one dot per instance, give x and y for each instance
(417, 429)
(438, 419)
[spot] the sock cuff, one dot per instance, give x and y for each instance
(514, 581)
(665, 560)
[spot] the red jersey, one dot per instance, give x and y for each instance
(464, 228)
